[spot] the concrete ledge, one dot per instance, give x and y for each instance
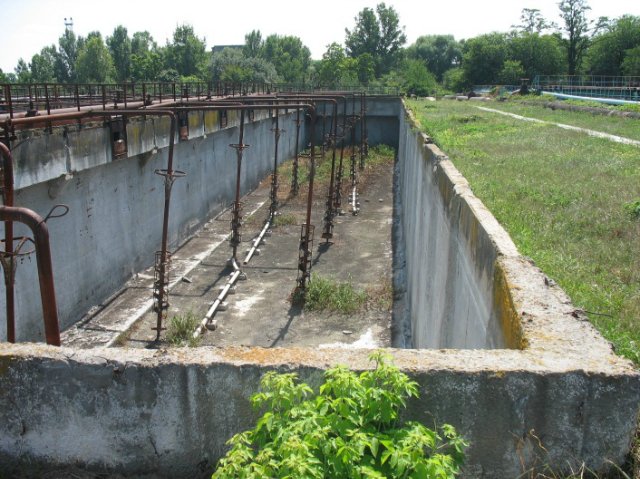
(170, 412)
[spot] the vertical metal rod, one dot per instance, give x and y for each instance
(306, 274)
(46, 96)
(9, 100)
(362, 128)
(327, 234)
(236, 220)
(296, 159)
(338, 190)
(9, 276)
(165, 226)
(353, 199)
(366, 132)
(77, 94)
(273, 209)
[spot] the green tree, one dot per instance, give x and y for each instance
(3, 77)
(289, 55)
(511, 73)
(439, 52)
(23, 73)
(631, 62)
(336, 68)
(94, 63)
(252, 44)
(66, 56)
(168, 75)
(142, 42)
(146, 66)
(120, 48)
(186, 53)
(532, 22)
(576, 28)
(609, 48)
(232, 66)
(537, 54)
(454, 80)
(379, 34)
(483, 58)
(366, 68)
(418, 80)
(147, 60)
(43, 68)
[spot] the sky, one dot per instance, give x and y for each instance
(29, 25)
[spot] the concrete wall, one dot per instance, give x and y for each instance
(170, 412)
(453, 297)
(114, 223)
(382, 114)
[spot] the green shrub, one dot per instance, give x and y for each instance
(633, 208)
(349, 430)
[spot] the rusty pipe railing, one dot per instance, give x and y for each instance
(45, 268)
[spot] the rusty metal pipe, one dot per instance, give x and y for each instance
(273, 209)
(45, 269)
(9, 276)
(236, 220)
(296, 157)
(312, 171)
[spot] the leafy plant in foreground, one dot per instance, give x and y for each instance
(349, 430)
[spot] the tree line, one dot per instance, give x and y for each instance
(374, 53)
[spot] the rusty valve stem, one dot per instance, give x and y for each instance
(273, 195)
(295, 186)
(236, 221)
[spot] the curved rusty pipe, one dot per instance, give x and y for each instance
(7, 166)
(45, 269)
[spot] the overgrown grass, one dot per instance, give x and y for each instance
(181, 328)
(561, 195)
(614, 125)
(285, 219)
(329, 294)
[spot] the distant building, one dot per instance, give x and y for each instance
(219, 48)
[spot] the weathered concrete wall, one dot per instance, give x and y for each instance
(454, 297)
(115, 207)
(382, 122)
(170, 412)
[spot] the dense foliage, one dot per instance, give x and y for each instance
(372, 53)
(350, 429)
